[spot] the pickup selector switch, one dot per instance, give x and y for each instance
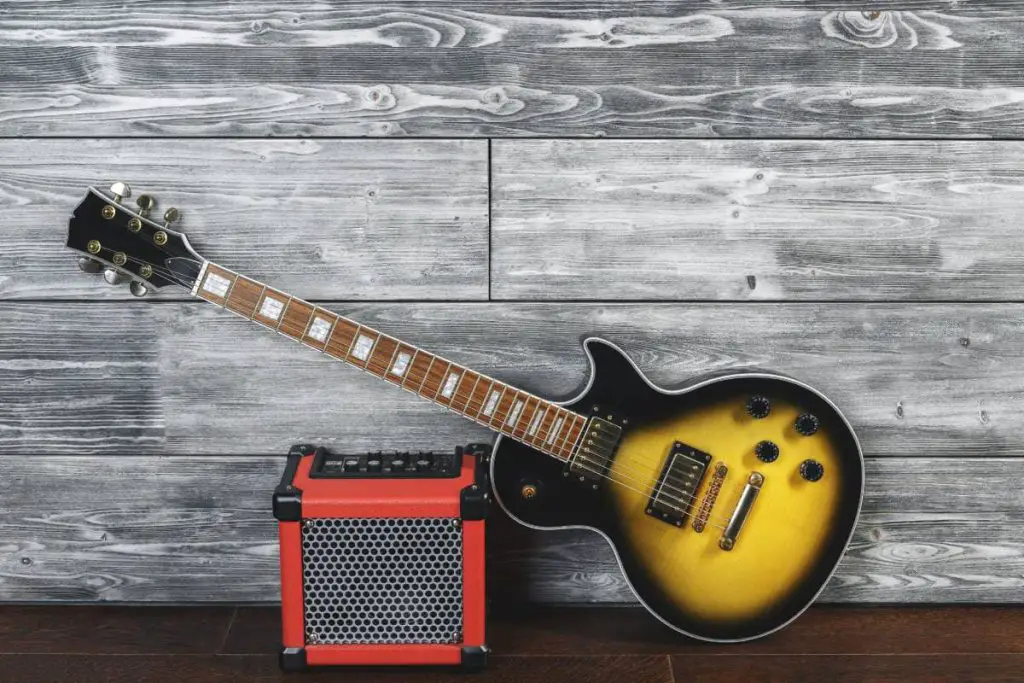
(807, 424)
(811, 470)
(758, 406)
(766, 451)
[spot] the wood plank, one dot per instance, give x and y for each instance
(628, 71)
(630, 630)
(534, 23)
(264, 669)
(194, 529)
(162, 378)
(757, 220)
(115, 629)
(339, 219)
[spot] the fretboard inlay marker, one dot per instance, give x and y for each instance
(513, 416)
(217, 285)
(401, 363)
(492, 403)
(362, 347)
(449, 385)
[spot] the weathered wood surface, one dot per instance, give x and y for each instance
(199, 528)
(739, 220)
(188, 378)
(322, 218)
(550, 68)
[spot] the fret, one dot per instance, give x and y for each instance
(564, 440)
(435, 376)
(549, 424)
(295, 319)
(469, 381)
(419, 389)
(494, 399)
(515, 412)
(380, 359)
(280, 317)
(216, 284)
(453, 379)
(231, 287)
(410, 367)
(363, 346)
(478, 400)
(318, 331)
(417, 372)
(259, 298)
(269, 307)
(341, 338)
(525, 417)
(401, 359)
(575, 434)
(243, 296)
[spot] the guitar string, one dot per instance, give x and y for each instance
(680, 502)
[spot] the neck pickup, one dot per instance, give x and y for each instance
(593, 458)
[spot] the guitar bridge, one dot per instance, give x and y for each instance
(676, 488)
(592, 460)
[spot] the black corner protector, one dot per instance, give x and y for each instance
(294, 659)
(474, 658)
(301, 449)
(287, 504)
(474, 502)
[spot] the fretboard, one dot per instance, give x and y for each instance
(538, 423)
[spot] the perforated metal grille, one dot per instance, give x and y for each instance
(382, 580)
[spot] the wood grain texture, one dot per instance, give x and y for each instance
(571, 69)
(186, 528)
(320, 218)
(188, 378)
(741, 220)
(545, 630)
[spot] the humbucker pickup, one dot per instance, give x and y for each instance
(597, 449)
(676, 488)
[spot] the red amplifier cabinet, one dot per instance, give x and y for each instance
(382, 557)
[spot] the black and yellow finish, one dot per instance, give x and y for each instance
(705, 582)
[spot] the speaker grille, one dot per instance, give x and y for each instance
(382, 580)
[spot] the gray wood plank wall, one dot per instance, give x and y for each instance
(140, 438)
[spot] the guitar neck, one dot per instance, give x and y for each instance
(540, 424)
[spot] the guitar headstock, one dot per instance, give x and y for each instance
(126, 243)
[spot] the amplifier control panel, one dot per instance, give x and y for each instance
(386, 464)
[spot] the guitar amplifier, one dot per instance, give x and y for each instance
(382, 557)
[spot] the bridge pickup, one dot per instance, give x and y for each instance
(593, 458)
(677, 486)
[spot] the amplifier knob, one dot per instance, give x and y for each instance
(423, 464)
(352, 464)
(758, 406)
(811, 470)
(373, 465)
(398, 464)
(807, 424)
(766, 451)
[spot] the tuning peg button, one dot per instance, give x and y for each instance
(139, 289)
(145, 203)
(120, 190)
(112, 277)
(89, 265)
(171, 215)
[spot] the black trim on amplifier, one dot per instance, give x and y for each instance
(474, 659)
(292, 659)
(287, 499)
(475, 499)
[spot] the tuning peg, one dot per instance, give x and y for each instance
(139, 289)
(112, 277)
(120, 190)
(145, 203)
(171, 215)
(88, 265)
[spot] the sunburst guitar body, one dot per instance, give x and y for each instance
(728, 501)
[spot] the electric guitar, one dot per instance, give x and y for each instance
(729, 500)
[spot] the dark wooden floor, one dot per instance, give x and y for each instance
(225, 644)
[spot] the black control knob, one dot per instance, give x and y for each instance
(807, 424)
(351, 465)
(423, 464)
(811, 470)
(758, 406)
(766, 451)
(398, 464)
(373, 464)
